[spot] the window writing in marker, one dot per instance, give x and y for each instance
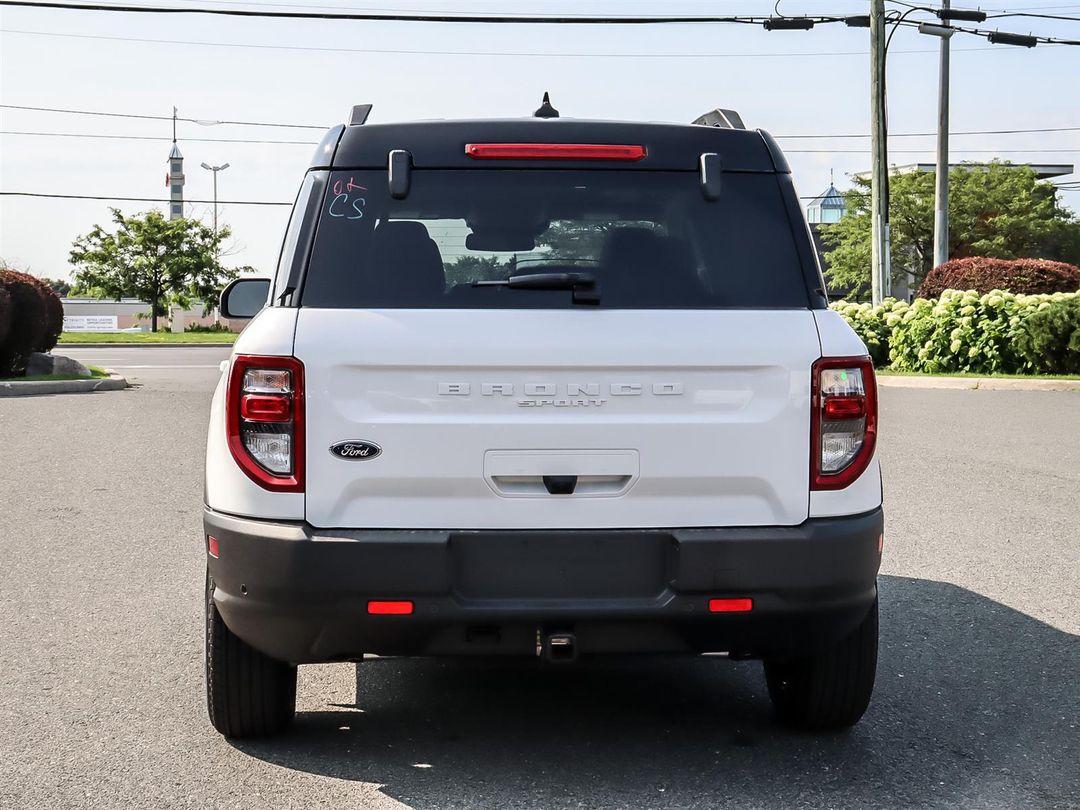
(345, 186)
(347, 202)
(345, 206)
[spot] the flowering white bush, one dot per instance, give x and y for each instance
(995, 333)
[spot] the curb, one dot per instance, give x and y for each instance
(68, 346)
(114, 382)
(978, 383)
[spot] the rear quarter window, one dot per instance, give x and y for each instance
(649, 238)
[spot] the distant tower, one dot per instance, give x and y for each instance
(175, 179)
(827, 207)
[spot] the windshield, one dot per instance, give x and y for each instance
(648, 238)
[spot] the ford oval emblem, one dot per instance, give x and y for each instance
(356, 451)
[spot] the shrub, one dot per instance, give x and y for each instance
(5, 314)
(28, 323)
(984, 275)
(213, 327)
(995, 333)
(1048, 337)
(872, 324)
(54, 315)
(961, 331)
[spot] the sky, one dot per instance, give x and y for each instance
(312, 71)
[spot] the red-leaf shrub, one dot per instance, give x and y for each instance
(54, 315)
(983, 274)
(5, 314)
(29, 322)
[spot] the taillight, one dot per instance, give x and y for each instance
(737, 605)
(554, 151)
(843, 420)
(265, 416)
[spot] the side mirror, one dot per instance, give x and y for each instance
(244, 297)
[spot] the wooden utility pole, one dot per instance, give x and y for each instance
(881, 275)
(941, 179)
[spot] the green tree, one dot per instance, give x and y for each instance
(466, 269)
(59, 285)
(998, 210)
(148, 257)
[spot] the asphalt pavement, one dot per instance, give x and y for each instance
(101, 689)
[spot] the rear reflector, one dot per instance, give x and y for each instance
(389, 608)
(741, 605)
(212, 546)
(554, 151)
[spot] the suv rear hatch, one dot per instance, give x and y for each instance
(679, 398)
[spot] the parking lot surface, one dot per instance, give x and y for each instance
(101, 689)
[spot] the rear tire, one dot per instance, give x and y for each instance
(248, 694)
(830, 690)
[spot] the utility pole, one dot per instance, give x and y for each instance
(880, 278)
(941, 196)
(215, 170)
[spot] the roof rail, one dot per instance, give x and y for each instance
(728, 119)
(359, 114)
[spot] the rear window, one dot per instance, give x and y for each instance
(648, 239)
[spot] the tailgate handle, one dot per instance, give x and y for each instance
(560, 484)
(531, 486)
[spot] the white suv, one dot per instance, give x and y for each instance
(543, 387)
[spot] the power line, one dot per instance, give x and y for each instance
(1021, 131)
(979, 32)
(152, 138)
(514, 19)
(201, 121)
(1039, 130)
(1038, 16)
(923, 151)
(1062, 187)
(789, 151)
(768, 22)
(134, 199)
(516, 54)
(996, 13)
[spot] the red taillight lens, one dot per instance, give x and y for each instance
(842, 407)
(213, 548)
(554, 151)
(740, 605)
(390, 608)
(264, 406)
(843, 420)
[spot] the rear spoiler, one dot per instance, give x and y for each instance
(728, 119)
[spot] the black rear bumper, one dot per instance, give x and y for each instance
(300, 594)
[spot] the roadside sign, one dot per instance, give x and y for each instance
(90, 323)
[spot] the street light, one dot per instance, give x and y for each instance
(215, 170)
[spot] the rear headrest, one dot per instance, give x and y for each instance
(401, 231)
(404, 261)
(639, 265)
(632, 245)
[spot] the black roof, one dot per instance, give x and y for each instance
(440, 144)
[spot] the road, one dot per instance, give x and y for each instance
(101, 690)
